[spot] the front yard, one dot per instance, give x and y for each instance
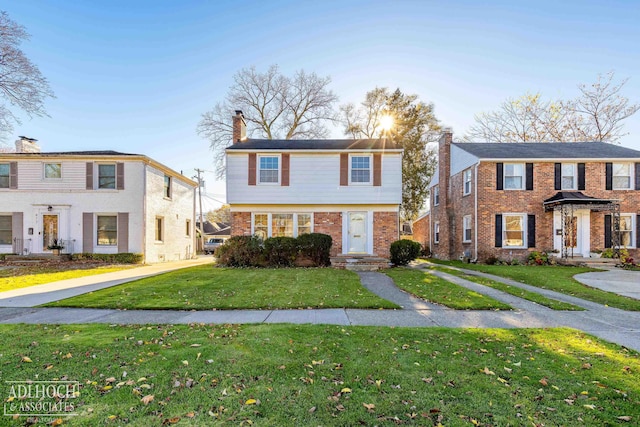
(325, 375)
(205, 288)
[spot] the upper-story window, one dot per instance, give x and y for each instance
(4, 175)
(436, 195)
(513, 176)
(269, 169)
(466, 175)
(568, 176)
(361, 169)
(53, 170)
(622, 176)
(166, 191)
(107, 176)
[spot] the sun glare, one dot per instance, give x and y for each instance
(386, 122)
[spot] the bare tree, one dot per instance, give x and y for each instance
(222, 214)
(274, 106)
(21, 83)
(596, 115)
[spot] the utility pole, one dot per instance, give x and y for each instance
(199, 171)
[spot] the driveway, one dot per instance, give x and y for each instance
(621, 282)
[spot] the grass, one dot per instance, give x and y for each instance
(512, 290)
(440, 291)
(553, 277)
(275, 375)
(205, 287)
(22, 277)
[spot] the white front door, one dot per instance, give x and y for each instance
(357, 232)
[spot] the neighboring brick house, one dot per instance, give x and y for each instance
(348, 189)
(505, 200)
(94, 201)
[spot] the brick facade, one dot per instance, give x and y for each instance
(240, 223)
(330, 223)
(422, 230)
(385, 232)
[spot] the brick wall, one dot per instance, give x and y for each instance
(422, 231)
(330, 223)
(240, 223)
(443, 213)
(385, 232)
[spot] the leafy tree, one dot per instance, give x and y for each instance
(597, 114)
(415, 126)
(275, 106)
(222, 214)
(21, 83)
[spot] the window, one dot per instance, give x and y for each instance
(513, 176)
(53, 170)
(159, 229)
(568, 176)
(188, 228)
(304, 224)
(466, 227)
(361, 169)
(106, 176)
(107, 226)
(513, 234)
(436, 232)
(622, 176)
(166, 192)
(4, 175)
(261, 225)
(626, 231)
(281, 225)
(269, 169)
(467, 182)
(436, 195)
(5, 230)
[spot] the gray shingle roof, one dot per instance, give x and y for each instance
(75, 153)
(550, 150)
(315, 144)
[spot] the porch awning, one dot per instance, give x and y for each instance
(574, 198)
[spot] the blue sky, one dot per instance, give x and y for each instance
(135, 76)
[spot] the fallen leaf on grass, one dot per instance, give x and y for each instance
(147, 399)
(190, 414)
(487, 371)
(173, 420)
(625, 418)
(56, 422)
(370, 406)
(251, 402)
(345, 390)
(590, 406)
(26, 359)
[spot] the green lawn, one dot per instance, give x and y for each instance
(437, 290)
(556, 278)
(206, 287)
(22, 277)
(276, 375)
(513, 290)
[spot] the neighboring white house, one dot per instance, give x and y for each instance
(95, 202)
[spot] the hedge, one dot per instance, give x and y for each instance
(121, 258)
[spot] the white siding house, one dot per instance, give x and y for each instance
(94, 202)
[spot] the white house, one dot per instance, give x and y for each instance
(349, 189)
(94, 202)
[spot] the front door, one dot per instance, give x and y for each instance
(572, 233)
(49, 230)
(357, 232)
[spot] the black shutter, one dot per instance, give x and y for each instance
(609, 176)
(498, 230)
(581, 180)
(529, 176)
(607, 231)
(531, 231)
(638, 179)
(557, 176)
(499, 176)
(637, 228)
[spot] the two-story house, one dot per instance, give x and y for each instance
(348, 189)
(94, 202)
(504, 200)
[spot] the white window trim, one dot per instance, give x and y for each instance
(466, 219)
(96, 176)
(631, 176)
(634, 230)
(270, 223)
(436, 195)
(436, 236)
(524, 230)
(575, 177)
(279, 174)
(465, 182)
(8, 174)
(155, 229)
(524, 177)
(95, 227)
(370, 156)
(44, 169)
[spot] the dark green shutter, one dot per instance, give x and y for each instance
(531, 231)
(607, 231)
(499, 176)
(581, 177)
(608, 169)
(498, 231)
(557, 176)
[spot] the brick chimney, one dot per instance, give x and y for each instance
(447, 219)
(27, 145)
(239, 127)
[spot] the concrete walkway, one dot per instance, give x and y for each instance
(621, 282)
(618, 326)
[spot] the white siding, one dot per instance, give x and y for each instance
(314, 179)
(461, 160)
(31, 176)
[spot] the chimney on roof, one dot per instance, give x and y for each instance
(27, 145)
(239, 127)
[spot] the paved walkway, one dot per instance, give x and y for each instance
(621, 327)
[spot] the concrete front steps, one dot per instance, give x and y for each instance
(359, 262)
(35, 258)
(604, 263)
